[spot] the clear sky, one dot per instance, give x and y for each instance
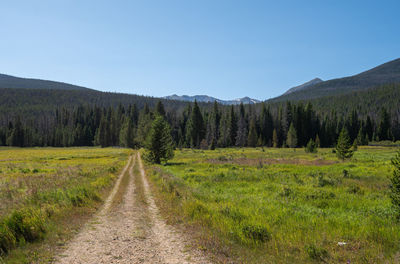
(222, 48)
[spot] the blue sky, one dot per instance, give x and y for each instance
(222, 48)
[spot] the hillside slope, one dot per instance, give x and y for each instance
(388, 73)
(8, 81)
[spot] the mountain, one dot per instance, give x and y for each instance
(8, 81)
(303, 86)
(209, 99)
(388, 73)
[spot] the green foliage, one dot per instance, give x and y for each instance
(35, 199)
(395, 184)
(291, 140)
(252, 137)
(260, 204)
(256, 232)
(159, 143)
(195, 128)
(126, 136)
(344, 146)
(317, 253)
(311, 147)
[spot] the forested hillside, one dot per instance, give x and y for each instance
(195, 127)
(8, 81)
(85, 117)
(387, 73)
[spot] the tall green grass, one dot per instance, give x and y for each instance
(38, 186)
(282, 206)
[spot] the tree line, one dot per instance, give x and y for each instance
(289, 125)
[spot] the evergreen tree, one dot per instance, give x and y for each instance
(213, 125)
(266, 125)
(317, 141)
(195, 127)
(241, 135)
(369, 129)
(232, 127)
(252, 137)
(275, 141)
(126, 137)
(160, 109)
(224, 131)
(344, 146)
(159, 144)
(291, 139)
(384, 130)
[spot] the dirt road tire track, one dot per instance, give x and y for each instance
(131, 231)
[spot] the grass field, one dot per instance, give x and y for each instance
(284, 206)
(44, 191)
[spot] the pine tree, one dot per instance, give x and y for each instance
(291, 139)
(213, 125)
(275, 140)
(369, 128)
(159, 144)
(344, 146)
(395, 184)
(384, 130)
(317, 141)
(232, 127)
(126, 137)
(195, 127)
(160, 109)
(241, 135)
(252, 137)
(266, 125)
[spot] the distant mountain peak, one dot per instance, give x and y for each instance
(303, 86)
(210, 99)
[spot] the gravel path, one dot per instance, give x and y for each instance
(130, 230)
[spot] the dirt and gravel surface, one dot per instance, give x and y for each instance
(129, 228)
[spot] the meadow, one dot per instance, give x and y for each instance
(47, 192)
(269, 205)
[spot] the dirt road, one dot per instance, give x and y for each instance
(129, 228)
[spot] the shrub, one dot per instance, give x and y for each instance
(316, 253)
(26, 224)
(322, 181)
(256, 232)
(7, 239)
(311, 147)
(232, 213)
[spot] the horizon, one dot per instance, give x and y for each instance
(259, 50)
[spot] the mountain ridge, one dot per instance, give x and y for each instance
(10, 81)
(303, 86)
(210, 99)
(386, 73)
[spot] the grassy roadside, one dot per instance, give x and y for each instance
(47, 194)
(282, 206)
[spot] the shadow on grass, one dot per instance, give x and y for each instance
(174, 163)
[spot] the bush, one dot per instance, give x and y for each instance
(316, 253)
(256, 232)
(26, 224)
(311, 147)
(7, 239)
(322, 181)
